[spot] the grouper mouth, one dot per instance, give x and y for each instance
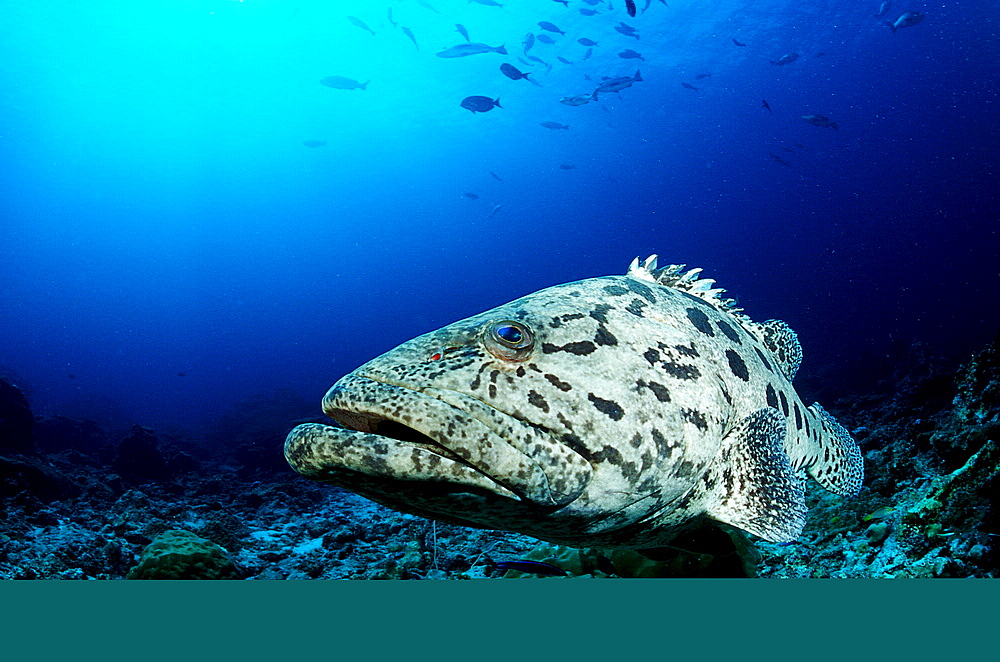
(397, 438)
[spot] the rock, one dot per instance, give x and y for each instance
(36, 478)
(16, 421)
(55, 434)
(139, 459)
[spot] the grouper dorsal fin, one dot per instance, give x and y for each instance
(754, 486)
(784, 345)
(687, 281)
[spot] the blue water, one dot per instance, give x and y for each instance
(159, 213)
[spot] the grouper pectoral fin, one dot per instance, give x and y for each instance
(754, 486)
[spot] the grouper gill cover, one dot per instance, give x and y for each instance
(610, 412)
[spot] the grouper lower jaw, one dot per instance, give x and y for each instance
(400, 434)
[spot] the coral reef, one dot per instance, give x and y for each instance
(178, 554)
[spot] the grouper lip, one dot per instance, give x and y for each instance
(398, 432)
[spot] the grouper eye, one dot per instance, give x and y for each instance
(509, 340)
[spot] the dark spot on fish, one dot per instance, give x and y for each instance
(725, 392)
(492, 390)
(565, 421)
(636, 307)
(763, 360)
(807, 426)
(772, 397)
(659, 390)
(561, 385)
(641, 289)
(686, 468)
(784, 402)
(700, 321)
(664, 448)
(611, 409)
(538, 401)
(680, 371)
(604, 337)
(493, 376)
(684, 350)
(798, 417)
(520, 372)
(737, 365)
(615, 290)
(600, 312)
(729, 332)
(581, 348)
(636, 440)
(575, 444)
(652, 356)
(696, 418)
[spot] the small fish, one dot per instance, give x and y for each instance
(361, 24)
(462, 50)
(881, 514)
(780, 160)
(630, 7)
(578, 100)
(511, 72)
(314, 143)
(554, 125)
(702, 76)
(71, 376)
(471, 196)
(588, 12)
(426, 5)
(545, 25)
(562, 2)
(532, 567)
(538, 60)
(883, 9)
(390, 18)
(566, 166)
(488, 3)
(905, 20)
(690, 86)
(341, 83)
(766, 105)
(546, 39)
(563, 60)
(593, 2)
(788, 149)
(819, 120)
(529, 41)
(738, 43)
(627, 31)
(787, 58)
(495, 176)
(409, 34)
(182, 374)
(462, 31)
(590, 51)
(480, 104)
(629, 54)
(617, 84)
(583, 41)
(495, 210)
(820, 54)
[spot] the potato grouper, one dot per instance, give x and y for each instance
(608, 412)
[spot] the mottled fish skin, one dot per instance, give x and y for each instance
(609, 412)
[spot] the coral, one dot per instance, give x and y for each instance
(179, 554)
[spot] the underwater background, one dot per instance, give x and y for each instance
(195, 230)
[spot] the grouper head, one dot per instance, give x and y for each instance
(517, 419)
(599, 412)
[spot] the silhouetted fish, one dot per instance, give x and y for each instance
(905, 20)
(471, 196)
(546, 39)
(819, 120)
(586, 42)
(701, 76)
(495, 210)
(617, 84)
(462, 31)
(512, 72)
(487, 3)
(780, 160)
(738, 43)
(545, 25)
(883, 9)
(766, 105)
(630, 7)
(182, 374)
(629, 54)
(689, 86)
(390, 18)
(425, 5)
(480, 104)
(566, 166)
(563, 60)
(588, 12)
(361, 24)
(787, 58)
(529, 41)
(463, 50)
(341, 83)
(578, 100)
(313, 143)
(627, 30)
(554, 125)
(496, 176)
(409, 34)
